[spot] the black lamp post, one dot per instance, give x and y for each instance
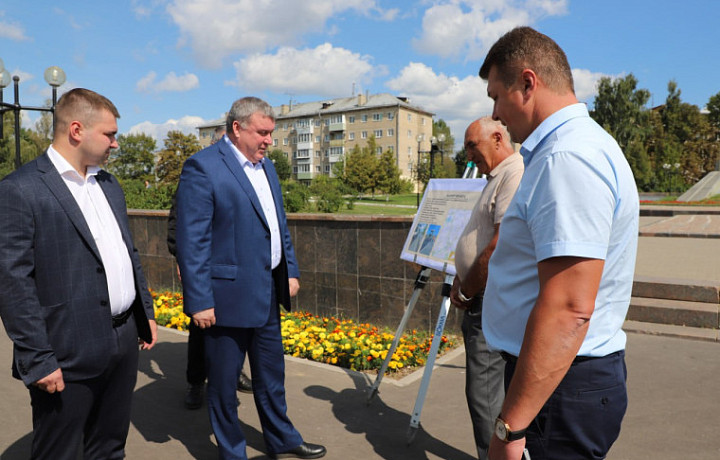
(54, 76)
(420, 138)
(434, 141)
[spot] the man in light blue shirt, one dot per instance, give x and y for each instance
(561, 276)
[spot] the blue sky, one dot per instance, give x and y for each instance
(174, 64)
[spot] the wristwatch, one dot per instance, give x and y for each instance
(503, 431)
(463, 297)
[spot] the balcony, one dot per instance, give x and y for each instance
(304, 175)
(339, 126)
(337, 143)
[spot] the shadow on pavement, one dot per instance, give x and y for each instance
(385, 428)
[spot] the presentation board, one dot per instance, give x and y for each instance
(444, 211)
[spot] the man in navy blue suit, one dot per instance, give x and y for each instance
(238, 265)
(74, 298)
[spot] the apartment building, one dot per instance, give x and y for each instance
(316, 135)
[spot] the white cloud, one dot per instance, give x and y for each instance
(467, 28)
(324, 70)
(586, 84)
(187, 124)
(171, 82)
(457, 101)
(215, 29)
(12, 30)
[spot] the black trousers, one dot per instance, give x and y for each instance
(93, 413)
(195, 372)
(582, 418)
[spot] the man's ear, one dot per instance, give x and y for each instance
(529, 81)
(76, 130)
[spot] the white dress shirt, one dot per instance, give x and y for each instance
(258, 179)
(104, 228)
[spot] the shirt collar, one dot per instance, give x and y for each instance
(549, 125)
(242, 158)
(64, 167)
(503, 164)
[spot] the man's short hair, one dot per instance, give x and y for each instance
(526, 48)
(81, 105)
(244, 108)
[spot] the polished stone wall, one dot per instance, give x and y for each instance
(350, 267)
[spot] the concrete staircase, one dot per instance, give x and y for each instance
(675, 307)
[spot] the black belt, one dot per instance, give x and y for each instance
(578, 359)
(120, 319)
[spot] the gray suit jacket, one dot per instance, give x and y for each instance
(55, 303)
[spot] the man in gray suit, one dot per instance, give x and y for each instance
(75, 301)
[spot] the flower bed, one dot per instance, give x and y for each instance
(340, 342)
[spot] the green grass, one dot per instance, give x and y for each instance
(406, 199)
(377, 210)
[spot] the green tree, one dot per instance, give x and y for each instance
(326, 191)
(134, 158)
(281, 163)
(448, 145)
(178, 148)
(619, 108)
(360, 169)
(713, 108)
(388, 174)
(296, 196)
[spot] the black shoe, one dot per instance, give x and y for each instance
(194, 397)
(304, 450)
(244, 383)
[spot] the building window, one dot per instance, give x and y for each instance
(285, 141)
(306, 137)
(293, 140)
(409, 134)
(275, 142)
(409, 116)
(378, 133)
(422, 121)
(327, 138)
(363, 135)
(391, 132)
(351, 119)
(377, 116)
(327, 169)
(303, 153)
(351, 136)
(317, 169)
(391, 116)
(336, 119)
(336, 150)
(378, 150)
(317, 153)
(327, 122)
(285, 126)
(304, 168)
(295, 169)
(391, 149)
(363, 118)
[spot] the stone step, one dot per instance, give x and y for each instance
(674, 312)
(706, 291)
(670, 330)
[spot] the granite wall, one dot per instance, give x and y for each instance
(350, 267)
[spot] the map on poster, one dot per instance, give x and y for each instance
(444, 211)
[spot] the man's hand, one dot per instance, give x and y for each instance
(500, 450)
(204, 318)
(294, 285)
(153, 329)
(52, 382)
(455, 298)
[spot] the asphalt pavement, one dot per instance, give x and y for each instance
(673, 386)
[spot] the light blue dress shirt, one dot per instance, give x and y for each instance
(577, 198)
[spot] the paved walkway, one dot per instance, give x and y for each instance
(673, 409)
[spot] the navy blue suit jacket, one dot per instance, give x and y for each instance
(223, 240)
(55, 304)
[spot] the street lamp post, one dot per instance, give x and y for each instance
(420, 138)
(435, 141)
(54, 76)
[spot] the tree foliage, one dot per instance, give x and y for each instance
(281, 163)
(134, 157)
(669, 147)
(178, 148)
